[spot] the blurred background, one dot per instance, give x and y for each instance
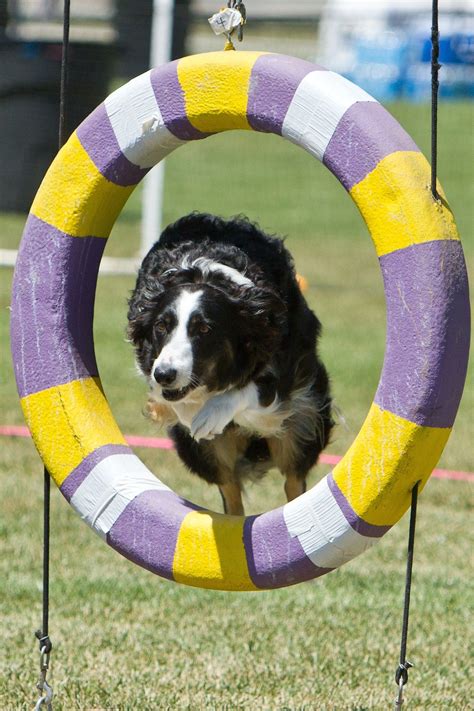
(382, 46)
(146, 643)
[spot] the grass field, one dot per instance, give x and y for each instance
(127, 640)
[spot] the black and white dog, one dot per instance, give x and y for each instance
(228, 345)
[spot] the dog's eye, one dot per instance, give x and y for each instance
(204, 328)
(160, 327)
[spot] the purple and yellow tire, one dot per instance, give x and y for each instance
(426, 291)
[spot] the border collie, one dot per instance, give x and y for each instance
(228, 345)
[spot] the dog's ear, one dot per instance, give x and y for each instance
(142, 307)
(140, 322)
(156, 274)
(263, 317)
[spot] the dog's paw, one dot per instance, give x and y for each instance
(213, 417)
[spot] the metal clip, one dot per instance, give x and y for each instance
(238, 5)
(401, 678)
(46, 690)
(399, 700)
(47, 698)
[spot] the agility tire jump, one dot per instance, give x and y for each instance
(427, 339)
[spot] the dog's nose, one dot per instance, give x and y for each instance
(165, 376)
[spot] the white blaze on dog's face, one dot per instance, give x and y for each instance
(201, 335)
(174, 366)
(196, 338)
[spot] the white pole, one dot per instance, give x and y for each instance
(152, 205)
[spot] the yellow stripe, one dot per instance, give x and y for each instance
(75, 197)
(210, 552)
(68, 422)
(388, 457)
(396, 202)
(216, 89)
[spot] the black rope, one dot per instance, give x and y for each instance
(43, 634)
(64, 72)
(401, 674)
(435, 67)
(402, 669)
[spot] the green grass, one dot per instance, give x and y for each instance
(125, 639)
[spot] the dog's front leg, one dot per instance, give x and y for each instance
(220, 410)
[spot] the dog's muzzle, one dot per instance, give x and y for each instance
(175, 395)
(165, 376)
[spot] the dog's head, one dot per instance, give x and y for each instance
(196, 322)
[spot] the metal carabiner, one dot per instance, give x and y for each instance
(47, 699)
(401, 678)
(399, 700)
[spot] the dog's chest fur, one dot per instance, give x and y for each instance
(182, 412)
(263, 421)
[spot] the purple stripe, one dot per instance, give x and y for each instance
(147, 530)
(98, 139)
(170, 99)
(52, 307)
(275, 559)
(273, 82)
(365, 134)
(427, 332)
(357, 523)
(77, 476)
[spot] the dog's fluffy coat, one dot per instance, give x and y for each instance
(229, 347)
